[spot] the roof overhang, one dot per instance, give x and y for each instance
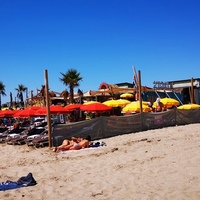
(186, 85)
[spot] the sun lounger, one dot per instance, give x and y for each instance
(17, 130)
(17, 140)
(29, 139)
(10, 137)
(43, 124)
(21, 138)
(41, 141)
(3, 130)
(14, 133)
(3, 137)
(36, 130)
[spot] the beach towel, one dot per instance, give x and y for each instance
(98, 144)
(24, 181)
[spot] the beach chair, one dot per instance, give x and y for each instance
(3, 136)
(29, 139)
(3, 130)
(13, 134)
(10, 137)
(17, 140)
(36, 130)
(41, 141)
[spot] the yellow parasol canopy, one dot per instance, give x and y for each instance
(126, 95)
(90, 102)
(116, 103)
(189, 106)
(135, 107)
(168, 102)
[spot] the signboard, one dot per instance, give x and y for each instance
(160, 85)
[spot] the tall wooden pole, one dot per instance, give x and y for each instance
(140, 91)
(192, 91)
(48, 107)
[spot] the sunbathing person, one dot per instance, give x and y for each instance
(83, 143)
(66, 144)
(73, 144)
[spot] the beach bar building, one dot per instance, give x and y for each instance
(186, 91)
(189, 89)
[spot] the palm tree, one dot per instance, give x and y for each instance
(2, 91)
(21, 88)
(71, 78)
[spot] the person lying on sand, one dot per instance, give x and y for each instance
(73, 144)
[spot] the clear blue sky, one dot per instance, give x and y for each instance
(102, 39)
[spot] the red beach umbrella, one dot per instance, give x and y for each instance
(54, 109)
(71, 107)
(28, 112)
(25, 113)
(8, 113)
(33, 107)
(95, 107)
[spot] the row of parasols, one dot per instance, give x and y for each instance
(94, 106)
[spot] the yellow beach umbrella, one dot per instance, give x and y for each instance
(116, 103)
(145, 103)
(5, 108)
(123, 101)
(126, 95)
(168, 102)
(90, 102)
(189, 106)
(135, 107)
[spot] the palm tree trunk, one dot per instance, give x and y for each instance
(22, 100)
(71, 95)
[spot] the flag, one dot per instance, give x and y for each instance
(135, 78)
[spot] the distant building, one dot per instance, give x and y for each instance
(187, 90)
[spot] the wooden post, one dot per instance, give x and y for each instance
(192, 91)
(140, 99)
(140, 91)
(48, 107)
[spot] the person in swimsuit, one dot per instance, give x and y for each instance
(73, 144)
(66, 144)
(83, 143)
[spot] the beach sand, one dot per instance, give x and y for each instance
(155, 164)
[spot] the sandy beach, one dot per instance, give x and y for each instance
(155, 164)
